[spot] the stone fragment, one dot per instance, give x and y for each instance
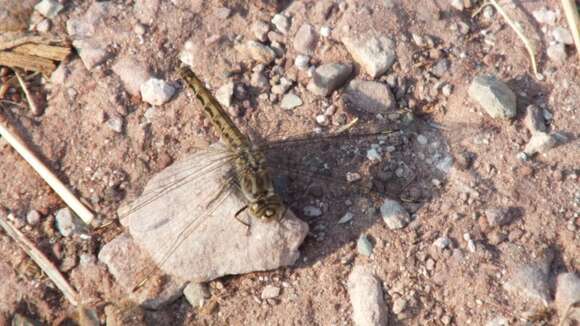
(208, 250)
(305, 39)
(375, 54)
(260, 30)
(301, 61)
(281, 22)
(364, 246)
(531, 282)
(562, 35)
(86, 25)
(130, 266)
(270, 292)
(115, 122)
(394, 215)
(312, 211)
(132, 73)
(225, 94)
(33, 217)
(90, 53)
(498, 321)
(328, 77)
(258, 52)
(48, 8)
(557, 52)
(498, 216)
(534, 119)
(540, 142)
(545, 16)
(368, 96)
(496, 98)
(290, 101)
(568, 294)
(65, 222)
(442, 243)
(366, 297)
(196, 294)
(43, 26)
(156, 91)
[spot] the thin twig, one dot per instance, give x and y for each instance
(573, 19)
(29, 98)
(20, 146)
(39, 258)
(528, 45)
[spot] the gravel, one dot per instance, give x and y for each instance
(534, 119)
(375, 54)
(65, 222)
(260, 30)
(364, 246)
(562, 35)
(557, 52)
(498, 216)
(196, 294)
(366, 297)
(156, 91)
(91, 53)
(540, 142)
(132, 73)
(305, 39)
(281, 22)
(270, 292)
(290, 101)
(258, 52)
(33, 217)
(394, 215)
(568, 293)
(301, 62)
(225, 93)
(496, 98)
(48, 8)
(329, 77)
(368, 96)
(530, 281)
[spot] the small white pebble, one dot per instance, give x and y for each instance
(325, 31)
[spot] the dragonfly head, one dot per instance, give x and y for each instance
(269, 208)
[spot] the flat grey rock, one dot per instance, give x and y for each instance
(195, 229)
(129, 265)
(368, 96)
(540, 142)
(375, 54)
(366, 297)
(305, 39)
(530, 282)
(394, 215)
(328, 77)
(257, 51)
(494, 96)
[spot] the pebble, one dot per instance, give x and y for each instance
(260, 30)
(568, 293)
(457, 4)
(281, 22)
(312, 211)
(366, 297)
(562, 35)
(65, 222)
(498, 216)
(557, 52)
(115, 122)
(322, 120)
(258, 52)
(301, 61)
(399, 305)
(441, 67)
(290, 101)
(531, 282)
(534, 119)
(545, 16)
(364, 246)
(496, 98)
(156, 91)
(90, 53)
(347, 217)
(375, 54)
(132, 73)
(540, 142)
(259, 81)
(225, 94)
(422, 140)
(442, 243)
(368, 96)
(498, 321)
(373, 155)
(325, 31)
(394, 215)
(270, 292)
(48, 8)
(328, 77)
(305, 39)
(43, 26)
(139, 29)
(33, 217)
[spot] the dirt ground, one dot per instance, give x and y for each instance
(454, 286)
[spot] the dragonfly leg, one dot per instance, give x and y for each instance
(237, 217)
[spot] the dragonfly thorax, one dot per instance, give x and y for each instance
(256, 186)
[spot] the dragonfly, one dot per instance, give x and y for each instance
(252, 169)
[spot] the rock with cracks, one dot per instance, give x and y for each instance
(193, 227)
